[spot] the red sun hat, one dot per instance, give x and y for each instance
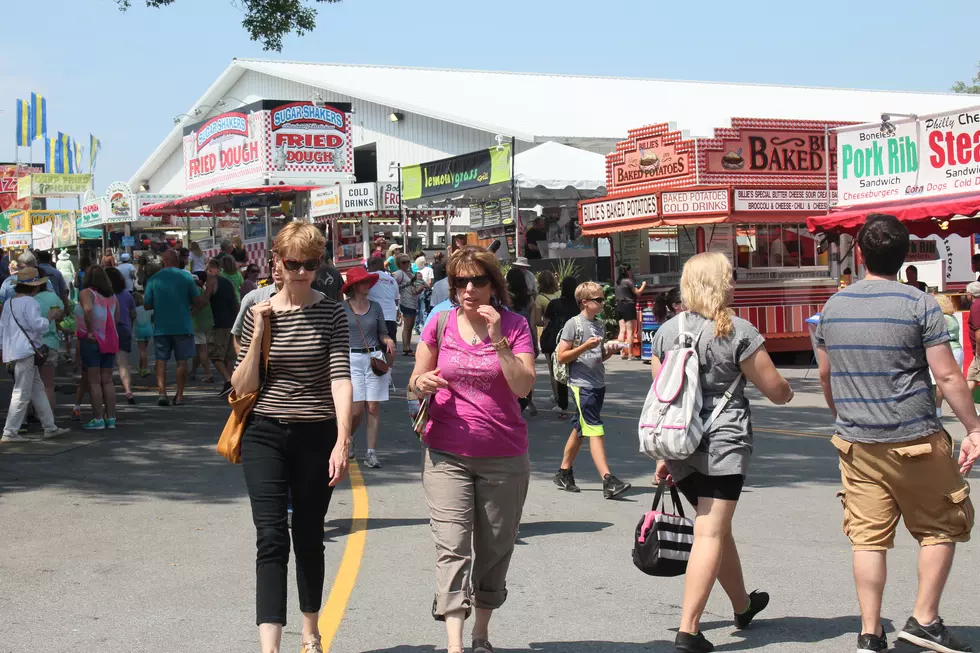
(357, 275)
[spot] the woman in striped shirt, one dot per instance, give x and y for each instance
(296, 441)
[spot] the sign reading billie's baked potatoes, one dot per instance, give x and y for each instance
(651, 157)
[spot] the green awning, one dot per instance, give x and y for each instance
(90, 234)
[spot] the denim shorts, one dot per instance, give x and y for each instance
(410, 312)
(92, 356)
(180, 347)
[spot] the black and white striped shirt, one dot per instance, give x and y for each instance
(310, 348)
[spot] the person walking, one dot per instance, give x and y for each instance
(391, 263)
(228, 268)
(547, 291)
(385, 293)
(22, 328)
(251, 299)
(896, 460)
(558, 312)
(475, 362)
(98, 343)
(582, 349)
(524, 305)
(170, 294)
(626, 296)
(143, 332)
(251, 279)
(711, 479)
(369, 340)
(955, 342)
(328, 278)
(125, 316)
(973, 324)
(409, 287)
(67, 270)
(220, 293)
(47, 301)
(295, 443)
(203, 319)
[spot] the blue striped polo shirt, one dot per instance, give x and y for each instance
(876, 334)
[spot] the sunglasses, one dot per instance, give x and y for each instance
(310, 264)
(480, 281)
(597, 300)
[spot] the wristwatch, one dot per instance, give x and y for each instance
(501, 344)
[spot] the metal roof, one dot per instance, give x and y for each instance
(578, 110)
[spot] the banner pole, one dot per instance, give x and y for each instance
(515, 212)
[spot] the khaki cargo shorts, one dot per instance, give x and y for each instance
(973, 372)
(917, 480)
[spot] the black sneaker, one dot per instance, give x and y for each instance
(612, 487)
(872, 643)
(225, 389)
(689, 643)
(565, 480)
(934, 637)
(757, 603)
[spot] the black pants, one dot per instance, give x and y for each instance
(282, 460)
(392, 327)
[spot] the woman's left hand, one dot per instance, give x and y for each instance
(490, 314)
(338, 463)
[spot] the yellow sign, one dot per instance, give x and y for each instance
(41, 217)
(20, 223)
(52, 185)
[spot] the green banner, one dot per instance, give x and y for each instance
(457, 173)
(53, 185)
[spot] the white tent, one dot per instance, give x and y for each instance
(555, 171)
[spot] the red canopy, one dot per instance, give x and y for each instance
(213, 197)
(941, 216)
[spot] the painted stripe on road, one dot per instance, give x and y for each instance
(333, 610)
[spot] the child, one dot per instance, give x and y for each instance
(582, 350)
(143, 331)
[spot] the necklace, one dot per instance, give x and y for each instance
(473, 339)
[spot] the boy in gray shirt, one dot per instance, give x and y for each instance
(582, 350)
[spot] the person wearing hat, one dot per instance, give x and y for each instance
(22, 328)
(128, 270)
(65, 266)
(368, 340)
(391, 263)
(525, 266)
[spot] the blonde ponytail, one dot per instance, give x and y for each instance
(723, 323)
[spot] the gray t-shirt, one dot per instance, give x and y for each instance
(726, 448)
(876, 334)
(372, 324)
(248, 301)
(588, 370)
(408, 284)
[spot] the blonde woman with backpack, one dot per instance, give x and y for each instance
(712, 478)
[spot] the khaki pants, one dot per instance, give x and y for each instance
(917, 480)
(475, 507)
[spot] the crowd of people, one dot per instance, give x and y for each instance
(318, 349)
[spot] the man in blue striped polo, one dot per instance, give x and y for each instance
(876, 343)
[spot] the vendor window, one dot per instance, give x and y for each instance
(776, 246)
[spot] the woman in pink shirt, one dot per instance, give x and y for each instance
(476, 465)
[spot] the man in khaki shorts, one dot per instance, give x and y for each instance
(876, 343)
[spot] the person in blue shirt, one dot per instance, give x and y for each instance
(25, 260)
(171, 293)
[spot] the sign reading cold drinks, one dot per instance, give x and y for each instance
(932, 156)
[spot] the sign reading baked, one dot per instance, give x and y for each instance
(652, 155)
(774, 152)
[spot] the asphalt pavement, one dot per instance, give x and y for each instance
(140, 539)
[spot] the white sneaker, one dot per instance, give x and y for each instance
(54, 433)
(15, 437)
(371, 460)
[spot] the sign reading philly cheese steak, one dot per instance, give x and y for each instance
(458, 173)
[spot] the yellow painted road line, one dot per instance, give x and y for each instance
(333, 610)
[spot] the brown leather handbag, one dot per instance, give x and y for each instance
(230, 442)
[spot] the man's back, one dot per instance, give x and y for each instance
(876, 334)
(385, 292)
(224, 304)
(328, 281)
(170, 292)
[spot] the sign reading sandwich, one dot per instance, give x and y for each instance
(457, 173)
(931, 156)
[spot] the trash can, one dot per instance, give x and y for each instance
(649, 327)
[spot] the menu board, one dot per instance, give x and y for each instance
(476, 217)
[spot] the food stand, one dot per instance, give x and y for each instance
(923, 170)
(745, 193)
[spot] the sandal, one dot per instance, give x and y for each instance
(482, 646)
(207, 379)
(408, 352)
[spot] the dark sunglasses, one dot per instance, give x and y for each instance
(480, 281)
(293, 265)
(597, 300)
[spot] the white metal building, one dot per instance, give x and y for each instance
(413, 115)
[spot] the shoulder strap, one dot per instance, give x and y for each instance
(358, 322)
(579, 331)
(723, 403)
(14, 315)
(674, 496)
(441, 322)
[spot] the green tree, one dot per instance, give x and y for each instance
(963, 87)
(267, 21)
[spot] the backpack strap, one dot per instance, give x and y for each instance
(723, 404)
(441, 327)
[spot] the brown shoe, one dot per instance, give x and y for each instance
(313, 645)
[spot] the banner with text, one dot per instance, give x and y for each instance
(782, 199)
(931, 156)
(457, 173)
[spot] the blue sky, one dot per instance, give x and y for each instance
(123, 77)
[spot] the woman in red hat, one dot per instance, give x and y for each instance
(368, 340)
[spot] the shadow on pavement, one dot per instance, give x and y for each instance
(787, 630)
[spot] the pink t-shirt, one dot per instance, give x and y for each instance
(477, 415)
